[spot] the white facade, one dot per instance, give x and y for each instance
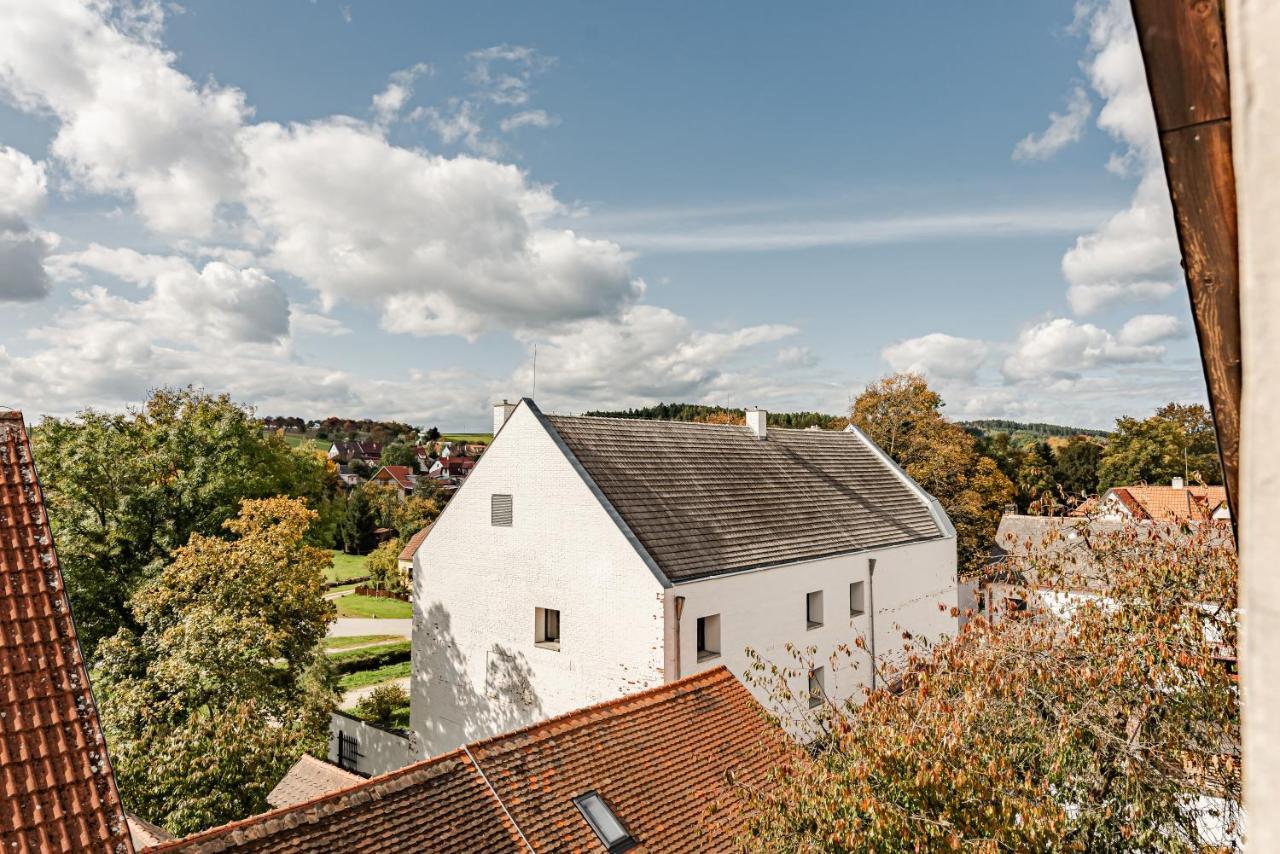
(479, 668)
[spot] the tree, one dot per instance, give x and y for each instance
(358, 524)
(225, 683)
(383, 565)
(1036, 483)
(124, 490)
(1093, 731)
(902, 415)
(1177, 441)
(1077, 467)
(399, 454)
(433, 434)
(380, 705)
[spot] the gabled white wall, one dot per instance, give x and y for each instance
(476, 670)
(765, 609)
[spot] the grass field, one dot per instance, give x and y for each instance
(372, 606)
(346, 566)
(336, 644)
(486, 438)
(365, 678)
(397, 645)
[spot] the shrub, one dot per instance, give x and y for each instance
(380, 705)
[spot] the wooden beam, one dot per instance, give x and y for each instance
(1184, 49)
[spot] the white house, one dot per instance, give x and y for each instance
(586, 558)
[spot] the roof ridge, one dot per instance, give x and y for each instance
(647, 697)
(223, 829)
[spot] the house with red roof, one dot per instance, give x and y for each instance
(401, 478)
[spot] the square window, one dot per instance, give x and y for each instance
(813, 609)
(817, 690)
(857, 598)
(500, 510)
(546, 628)
(708, 637)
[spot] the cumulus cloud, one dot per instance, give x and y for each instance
(938, 355)
(388, 103)
(1133, 256)
(646, 353)
(23, 248)
(1061, 348)
(797, 357)
(1149, 329)
(1064, 129)
(128, 122)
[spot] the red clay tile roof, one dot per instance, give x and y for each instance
(660, 758)
(56, 788)
(310, 778)
(411, 547)
(1177, 504)
(403, 475)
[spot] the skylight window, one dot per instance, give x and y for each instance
(606, 825)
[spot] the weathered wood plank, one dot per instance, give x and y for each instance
(1185, 53)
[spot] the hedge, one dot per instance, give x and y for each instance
(371, 658)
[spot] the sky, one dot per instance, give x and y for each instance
(396, 210)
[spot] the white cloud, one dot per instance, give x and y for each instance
(459, 124)
(645, 354)
(938, 355)
(1062, 349)
(528, 119)
(1064, 129)
(1133, 256)
(504, 73)
(797, 357)
(1149, 329)
(388, 103)
(23, 248)
(129, 122)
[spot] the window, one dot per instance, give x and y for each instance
(500, 510)
(857, 598)
(607, 826)
(708, 637)
(817, 690)
(546, 628)
(813, 609)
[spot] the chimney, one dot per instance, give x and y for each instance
(501, 412)
(758, 421)
(1178, 483)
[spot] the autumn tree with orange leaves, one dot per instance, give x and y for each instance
(1107, 723)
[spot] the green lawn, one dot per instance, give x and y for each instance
(335, 644)
(485, 438)
(372, 606)
(346, 566)
(365, 678)
(398, 645)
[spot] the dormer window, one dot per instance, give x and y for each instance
(612, 832)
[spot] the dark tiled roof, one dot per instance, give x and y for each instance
(660, 758)
(56, 788)
(310, 778)
(440, 805)
(710, 498)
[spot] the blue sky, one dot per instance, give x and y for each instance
(383, 208)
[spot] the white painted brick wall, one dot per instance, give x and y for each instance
(476, 670)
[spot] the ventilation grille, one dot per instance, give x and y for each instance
(500, 510)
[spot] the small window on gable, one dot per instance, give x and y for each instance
(817, 688)
(546, 628)
(500, 510)
(708, 637)
(612, 832)
(813, 609)
(857, 598)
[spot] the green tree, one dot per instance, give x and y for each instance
(1178, 440)
(1036, 483)
(902, 415)
(359, 523)
(380, 705)
(124, 490)
(225, 683)
(1077, 467)
(399, 454)
(383, 565)
(1089, 731)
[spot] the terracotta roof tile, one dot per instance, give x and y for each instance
(411, 547)
(56, 788)
(403, 475)
(660, 758)
(710, 498)
(310, 778)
